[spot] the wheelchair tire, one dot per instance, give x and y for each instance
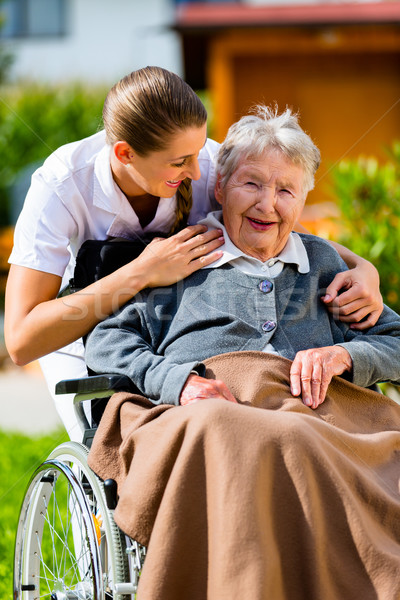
(67, 545)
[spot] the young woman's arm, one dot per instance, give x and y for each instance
(354, 295)
(36, 322)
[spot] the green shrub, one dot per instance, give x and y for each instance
(34, 121)
(368, 196)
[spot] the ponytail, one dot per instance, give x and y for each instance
(184, 202)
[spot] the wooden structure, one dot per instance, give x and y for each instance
(337, 64)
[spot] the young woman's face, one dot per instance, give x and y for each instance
(160, 173)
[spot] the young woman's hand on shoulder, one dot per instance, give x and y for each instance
(169, 260)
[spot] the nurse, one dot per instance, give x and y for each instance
(150, 171)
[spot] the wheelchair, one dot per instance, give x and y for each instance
(68, 546)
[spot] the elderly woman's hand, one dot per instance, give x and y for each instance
(312, 370)
(198, 388)
(354, 296)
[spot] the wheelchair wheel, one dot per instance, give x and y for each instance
(68, 546)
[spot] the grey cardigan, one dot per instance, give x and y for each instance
(160, 336)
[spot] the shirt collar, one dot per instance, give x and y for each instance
(294, 251)
(107, 194)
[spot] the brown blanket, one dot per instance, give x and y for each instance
(264, 500)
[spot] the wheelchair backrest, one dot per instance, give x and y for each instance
(98, 258)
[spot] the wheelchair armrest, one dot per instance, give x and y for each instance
(96, 383)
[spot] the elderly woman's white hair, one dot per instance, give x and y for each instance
(266, 130)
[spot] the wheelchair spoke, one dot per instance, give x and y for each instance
(68, 525)
(45, 567)
(66, 564)
(55, 536)
(53, 531)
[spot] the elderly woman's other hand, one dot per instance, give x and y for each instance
(312, 370)
(354, 296)
(198, 388)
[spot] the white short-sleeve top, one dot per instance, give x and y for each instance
(73, 197)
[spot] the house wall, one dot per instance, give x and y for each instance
(104, 41)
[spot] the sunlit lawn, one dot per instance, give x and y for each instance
(19, 456)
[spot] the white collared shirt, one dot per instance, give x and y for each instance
(73, 197)
(294, 252)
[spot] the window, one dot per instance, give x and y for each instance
(29, 18)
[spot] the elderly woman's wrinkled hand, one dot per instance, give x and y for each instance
(312, 371)
(198, 388)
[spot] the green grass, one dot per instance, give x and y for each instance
(19, 456)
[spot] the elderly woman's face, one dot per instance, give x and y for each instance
(261, 202)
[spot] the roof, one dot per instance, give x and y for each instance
(202, 15)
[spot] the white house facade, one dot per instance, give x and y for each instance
(95, 41)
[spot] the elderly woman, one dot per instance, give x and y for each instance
(261, 497)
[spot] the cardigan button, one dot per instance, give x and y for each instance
(265, 286)
(268, 326)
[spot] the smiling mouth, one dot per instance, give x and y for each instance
(174, 183)
(260, 224)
